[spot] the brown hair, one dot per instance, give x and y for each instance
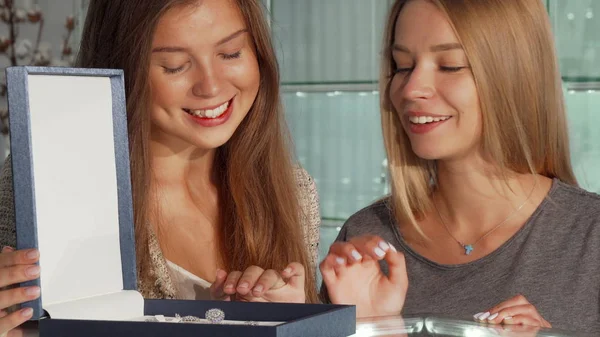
(510, 48)
(260, 215)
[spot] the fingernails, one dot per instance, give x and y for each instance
(287, 270)
(393, 248)
(379, 252)
(27, 312)
(507, 318)
(228, 286)
(476, 316)
(243, 285)
(7, 249)
(340, 260)
(484, 316)
(33, 254)
(32, 271)
(491, 318)
(356, 255)
(32, 291)
(384, 246)
(258, 288)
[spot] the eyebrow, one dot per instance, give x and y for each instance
(436, 48)
(170, 49)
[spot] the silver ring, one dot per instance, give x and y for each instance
(215, 315)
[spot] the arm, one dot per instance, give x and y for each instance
(310, 214)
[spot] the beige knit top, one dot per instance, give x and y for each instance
(160, 283)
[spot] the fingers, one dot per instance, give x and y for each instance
(516, 310)
(14, 296)
(232, 282)
(18, 273)
(511, 302)
(295, 275)
(15, 319)
(217, 288)
(11, 257)
(345, 251)
(269, 280)
(328, 268)
(397, 267)
(248, 279)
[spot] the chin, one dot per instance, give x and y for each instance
(427, 152)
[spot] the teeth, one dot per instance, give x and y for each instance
(210, 113)
(426, 119)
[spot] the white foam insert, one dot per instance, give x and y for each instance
(122, 306)
(75, 187)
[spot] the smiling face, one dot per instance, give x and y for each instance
(433, 89)
(204, 75)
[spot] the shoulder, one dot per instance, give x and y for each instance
(570, 209)
(574, 200)
(307, 189)
(375, 219)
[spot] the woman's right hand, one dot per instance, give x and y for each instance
(16, 267)
(352, 276)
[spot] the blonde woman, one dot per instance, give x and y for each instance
(220, 210)
(485, 219)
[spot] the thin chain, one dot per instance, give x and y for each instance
(491, 230)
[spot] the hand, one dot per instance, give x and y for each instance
(516, 310)
(258, 285)
(16, 267)
(352, 276)
(216, 289)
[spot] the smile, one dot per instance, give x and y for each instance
(427, 119)
(209, 113)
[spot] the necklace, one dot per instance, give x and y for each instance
(469, 247)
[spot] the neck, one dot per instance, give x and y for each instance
(178, 164)
(473, 198)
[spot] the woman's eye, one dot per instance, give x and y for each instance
(235, 55)
(168, 70)
(402, 70)
(451, 69)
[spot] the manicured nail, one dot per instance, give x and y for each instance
(484, 316)
(379, 252)
(27, 312)
(340, 260)
(491, 318)
(384, 245)
(507, 318)
(287, 270)
(243, 285)
(476, 316)
(356, 255)
(33, 254)
(33, 271)
(32, 291)
(258, 288)
(393, 248)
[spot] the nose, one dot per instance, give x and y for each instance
(207, 82)
(419, 84)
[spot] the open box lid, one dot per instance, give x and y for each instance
(71, 179)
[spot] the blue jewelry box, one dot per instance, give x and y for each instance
(73, 201)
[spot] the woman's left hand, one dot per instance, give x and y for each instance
(258, 285)
(516, 310)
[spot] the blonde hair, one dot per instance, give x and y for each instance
(510, 48)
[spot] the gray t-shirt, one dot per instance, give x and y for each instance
(553, 260)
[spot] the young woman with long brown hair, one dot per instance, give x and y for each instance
(485, 219)
(220, 209)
